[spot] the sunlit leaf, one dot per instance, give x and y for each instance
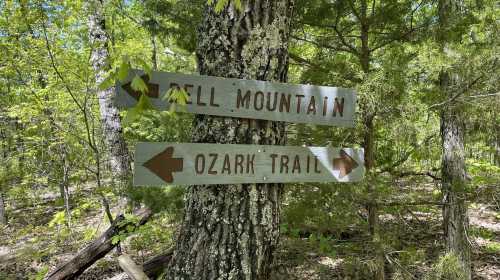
(123, 71)
(146, 67)
(138, 84)
(221, 4)
(135, 113)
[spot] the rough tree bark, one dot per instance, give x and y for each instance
(231, 231)
(118, 158)
(455, 216)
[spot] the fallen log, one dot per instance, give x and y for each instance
(133, 271)
(153, 267)
(98, 248)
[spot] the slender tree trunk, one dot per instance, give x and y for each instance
(3, 212)
(455, 216)
(3, 138)
(57, 171)
(373, 219)
(154, 54)
(64, 184)
(118, 158)
(454, 183)
(18, 128)
(231, 231)
(369, 147)
(496, 144)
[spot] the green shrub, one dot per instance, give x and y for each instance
(448, 267)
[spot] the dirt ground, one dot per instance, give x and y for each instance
(27, 247)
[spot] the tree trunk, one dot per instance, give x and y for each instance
(453, 183)
(496, 144)
(455, 216)
(154, 53)
(119, 160)
(3, 138)
(369, 147)
(231, 231)
(373, 219)
(3, 213)
(57, 171)
(64, 184)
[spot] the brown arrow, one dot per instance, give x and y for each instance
(153, 89)
(345, 164)
(163, 165)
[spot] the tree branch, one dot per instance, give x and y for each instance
(413, 173)
(484, 95)
(407, 155)
(456, 96)
(335, 48)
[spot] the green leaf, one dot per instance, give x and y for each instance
(115, 239)
(132, 115)
(135, 113)
(237, 4)
(146, 67)
(41, 273)
(144, 103)
(108, 82)
(123, 70)
(58, 219)
(130, 228)
(176, 96)
(138, 84)
(221, 4)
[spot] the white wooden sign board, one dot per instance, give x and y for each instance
(194, 164)
(247, 98)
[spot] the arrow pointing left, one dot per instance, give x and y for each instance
(164, 165)
(153, 89)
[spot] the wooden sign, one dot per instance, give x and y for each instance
(247, 98)
(196, 164)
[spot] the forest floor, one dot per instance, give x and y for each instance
(37, 239)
